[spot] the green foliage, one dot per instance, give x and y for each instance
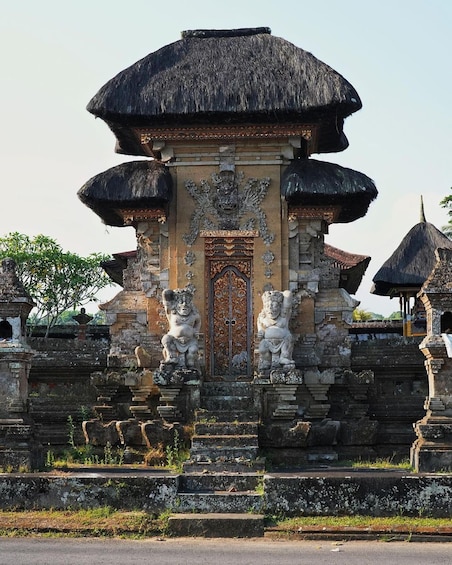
(56, 280)
(360, 315)
(397, 315)
(446, 202)
(176, 453)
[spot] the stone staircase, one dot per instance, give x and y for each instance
(226, 430)
(220, 490)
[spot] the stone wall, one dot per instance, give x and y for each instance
(59, 385)
(396, 398)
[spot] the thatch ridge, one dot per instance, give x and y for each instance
(134, 184)
(242, 75)
(315, 183)
(412, 261)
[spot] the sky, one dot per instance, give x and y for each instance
(56, 54)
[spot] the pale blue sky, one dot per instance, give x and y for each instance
(56, 54)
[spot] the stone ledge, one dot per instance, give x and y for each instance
(217, 525)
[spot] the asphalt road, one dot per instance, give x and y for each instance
(40, 551)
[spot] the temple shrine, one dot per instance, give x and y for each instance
(232, 306)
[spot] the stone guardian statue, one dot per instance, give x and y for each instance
(180, 344)
(276, 340)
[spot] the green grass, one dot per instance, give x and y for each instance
(98, 522)
(378, 463)
(108, 522)
(393, 523)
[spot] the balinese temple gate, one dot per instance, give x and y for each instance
(233, 307)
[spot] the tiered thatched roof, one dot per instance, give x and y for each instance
(307, 182)
(227, 77)
(134, 185)
(412, 261)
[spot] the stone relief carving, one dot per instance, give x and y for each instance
(189, 258)
(276, 340)
(268, 257)
(228, 202)
(180, 344)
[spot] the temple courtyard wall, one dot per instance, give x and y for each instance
(298, 494)
(60, 389)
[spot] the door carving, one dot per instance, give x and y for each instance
(230, 321)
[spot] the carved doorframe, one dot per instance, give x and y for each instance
(229, 303)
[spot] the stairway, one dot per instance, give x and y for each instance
(220, 490)
(226, 430)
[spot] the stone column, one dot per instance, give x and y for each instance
(19, 449)
(432, 450)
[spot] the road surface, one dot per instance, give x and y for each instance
(64, 551)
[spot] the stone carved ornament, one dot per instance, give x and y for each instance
(228, 203)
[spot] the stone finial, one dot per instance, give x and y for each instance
(11, 286)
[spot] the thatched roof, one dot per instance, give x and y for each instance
(307, 182)
(352, 267)
(132, 185)
(227, 76)
(412, 261)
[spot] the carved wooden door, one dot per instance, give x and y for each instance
(230, 331)
(230, 321)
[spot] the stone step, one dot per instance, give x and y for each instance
(223, 502)
(216, 416)
(227, 389)
(226, 428)
(217, 525)
(230, 482)
(219, 453)
(236, 466)
(227, 403)
(220, 441)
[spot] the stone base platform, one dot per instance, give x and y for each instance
(314, 492)
(217, 525)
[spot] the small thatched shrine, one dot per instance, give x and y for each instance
(230, 213)
(404, 273)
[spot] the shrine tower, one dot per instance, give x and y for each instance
(229, 200)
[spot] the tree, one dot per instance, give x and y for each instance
(56, 280)
(360, 315)
(446, 202)
(396, 315)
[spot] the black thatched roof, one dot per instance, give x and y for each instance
(227, 76)
(133, 185)
(412, 261)
(307, 182)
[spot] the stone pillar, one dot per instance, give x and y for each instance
(19, 449)
(432, 450)
(142, 387)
